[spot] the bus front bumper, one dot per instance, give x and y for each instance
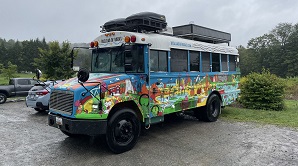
(78, 126)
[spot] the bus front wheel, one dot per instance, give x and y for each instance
(123, 130)
(211, 111)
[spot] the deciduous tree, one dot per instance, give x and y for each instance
(55, 62)
(10, 71)
(276, 51)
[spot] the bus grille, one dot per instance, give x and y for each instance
(61, 101)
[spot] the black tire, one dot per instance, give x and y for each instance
(3, 98)
(211, 111)
(123, 130)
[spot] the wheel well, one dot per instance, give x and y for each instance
(218, 94)
(4, 92)
(127, 104)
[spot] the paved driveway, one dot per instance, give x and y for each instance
(27, 140)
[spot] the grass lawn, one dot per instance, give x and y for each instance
(286, 118)
(4, 81)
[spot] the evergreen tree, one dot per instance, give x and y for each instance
(3, 53)
(55, 61)
(15, 55)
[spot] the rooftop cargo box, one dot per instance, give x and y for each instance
(199, 33)
(115, 25)
(147, 21)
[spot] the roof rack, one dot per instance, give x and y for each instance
(153, 22)
(114, 25)
(144, 21)
(200, 33)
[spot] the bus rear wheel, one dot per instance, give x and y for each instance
(211, 111)
(123, 130)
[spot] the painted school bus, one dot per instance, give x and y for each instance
(136, 79)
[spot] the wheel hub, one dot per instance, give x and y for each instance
(124, 131)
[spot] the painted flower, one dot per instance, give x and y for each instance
(77, 103)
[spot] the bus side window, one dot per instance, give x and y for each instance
(215, 62)
(194, 60)
(232, 62)
(158, 61)
(163, 61)
(224, 62)
(206, 61)
(179, 60)
(153, 60)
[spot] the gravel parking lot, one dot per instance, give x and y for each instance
(26, 139)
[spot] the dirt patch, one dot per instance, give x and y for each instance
(293, 96)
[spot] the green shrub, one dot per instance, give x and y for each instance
(262, 91)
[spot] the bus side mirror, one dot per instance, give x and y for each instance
(38, 74)
(83, 75)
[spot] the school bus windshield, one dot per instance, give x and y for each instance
(107, 60)
(116, 59)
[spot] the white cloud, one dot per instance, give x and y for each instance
(79, 21)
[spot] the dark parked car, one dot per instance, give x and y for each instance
(16, 87)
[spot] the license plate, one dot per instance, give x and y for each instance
(32, 96)
(59, 121)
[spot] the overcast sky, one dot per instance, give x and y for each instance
(79, 21)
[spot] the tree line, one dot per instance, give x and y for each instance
(21, 53)
(276, 51)
(53, 58)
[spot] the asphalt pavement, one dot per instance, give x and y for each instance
(26, 139)
(15, 99)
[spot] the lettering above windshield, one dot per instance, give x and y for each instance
(114, 39)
